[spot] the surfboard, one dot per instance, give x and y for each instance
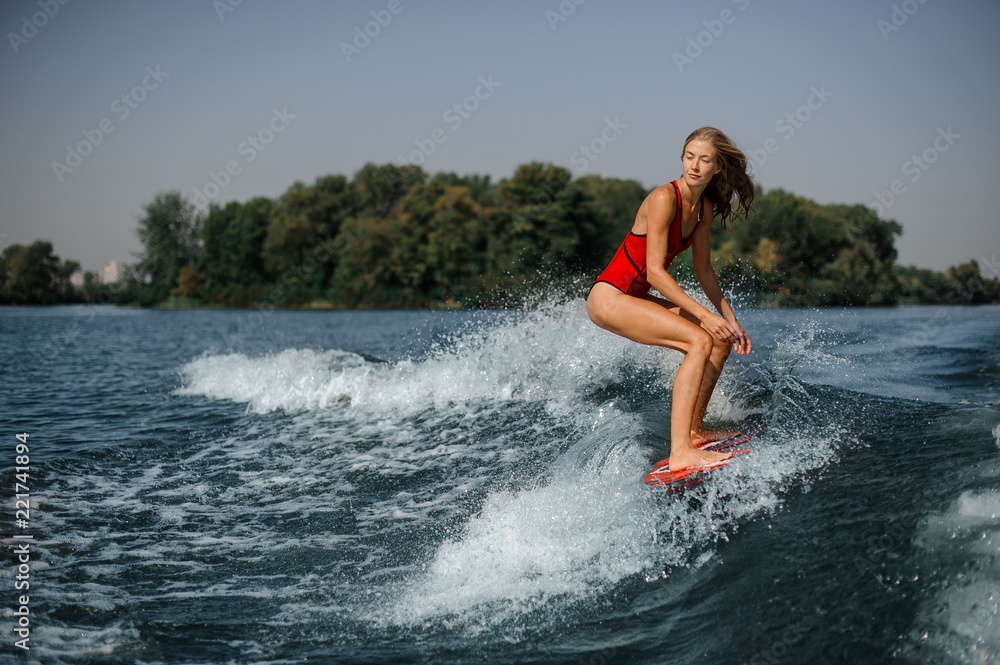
(675, 481)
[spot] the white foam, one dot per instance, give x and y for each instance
(553, 354)
(587, 527)
(499, 421)
(585, 523)
(290, 380)
(589, 524)
(962, 619)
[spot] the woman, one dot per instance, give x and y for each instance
(672, 218)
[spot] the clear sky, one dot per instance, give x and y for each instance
(841, 102)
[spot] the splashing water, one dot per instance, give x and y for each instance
(561, 512)
(482, 495)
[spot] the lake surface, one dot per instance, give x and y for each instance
(467, 487)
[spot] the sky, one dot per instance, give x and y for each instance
(891, 104)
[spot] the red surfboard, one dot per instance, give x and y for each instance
(675, 481)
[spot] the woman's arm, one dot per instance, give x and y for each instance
(701, 258)
(661, 208)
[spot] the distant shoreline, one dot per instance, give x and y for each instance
(393, 237)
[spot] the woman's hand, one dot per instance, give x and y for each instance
(719, 328)
(728, 331)
(741, 340)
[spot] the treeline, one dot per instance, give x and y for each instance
(34, 275)
(395, 237)
(390, 237)
(795, 252)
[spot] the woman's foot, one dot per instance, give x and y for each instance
(704, 436)
(685, 458)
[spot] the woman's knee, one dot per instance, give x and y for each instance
(702, 344)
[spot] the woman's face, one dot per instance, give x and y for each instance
(699, 161)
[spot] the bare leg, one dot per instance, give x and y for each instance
(699, 434)
(687, 394)
(652, 321)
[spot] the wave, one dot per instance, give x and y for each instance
(959, 547)
(523, 444)
(553, 354)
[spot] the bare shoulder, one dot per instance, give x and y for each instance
(658, 207)
(662, 194)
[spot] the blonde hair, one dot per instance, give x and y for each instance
(733, 178)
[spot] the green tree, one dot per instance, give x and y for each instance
(306, 218)
(966, 285)
(533, 185)
(863, 272)
(803, 253)
(456, 246)
(544, 224)
(919, 286)
(92, 290)
(380, 188)
(364, 276)
(169, 232)
(232, 256)
(480, 187)
(409, 227)
(33, 275)
(615, 204)
(189, 283)
(391, 237)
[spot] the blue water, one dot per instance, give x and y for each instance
(466, 487)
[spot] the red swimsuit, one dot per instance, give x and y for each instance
(627, 270)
